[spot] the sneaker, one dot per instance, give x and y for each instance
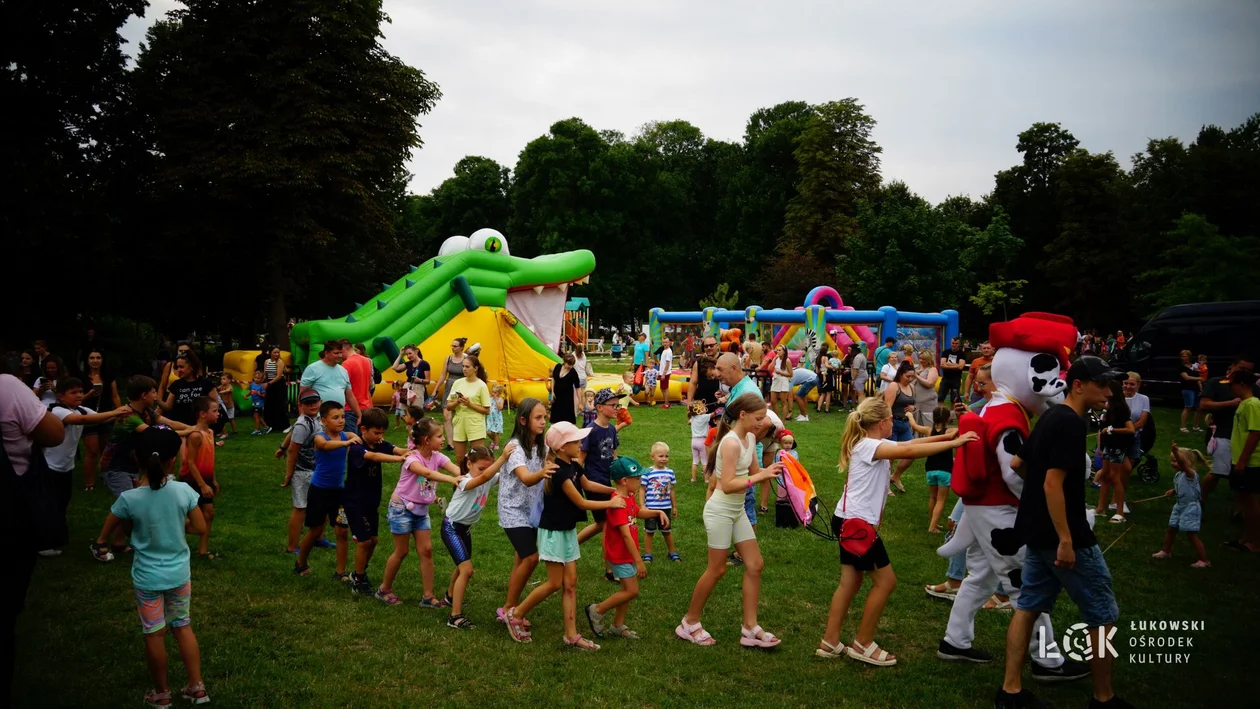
(290, 428)
(1185, 430)
(255, 432)
(323, 543)
(948, 652)
(801, 418)
(1024, 700)
(1114, 703)
(50, 552)
(1066, 672)
(268, 430)
(596, 620)
(360, 585)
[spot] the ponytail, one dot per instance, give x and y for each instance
(154, 471)
(871, 411)
(155, 451)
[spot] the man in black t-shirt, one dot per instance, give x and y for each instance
(1062, 551)
(953, 364)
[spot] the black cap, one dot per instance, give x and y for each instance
(1092, 369)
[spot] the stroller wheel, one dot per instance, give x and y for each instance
(1148, 469)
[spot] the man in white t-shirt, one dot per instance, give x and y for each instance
(664, 366)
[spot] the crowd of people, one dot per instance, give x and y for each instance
(153, 443)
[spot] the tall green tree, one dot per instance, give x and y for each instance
(476, 196)
(283, 130)
(1203, 266)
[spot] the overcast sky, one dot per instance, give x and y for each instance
(950, 83)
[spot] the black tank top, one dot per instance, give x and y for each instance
(900, 404)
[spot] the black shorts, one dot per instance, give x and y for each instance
(1246, 481)
(364, 518)
(323, 505)
(524, 540)
(598, 515)
(202, 500)
(951, 389)
(875, 558)
(653, 525)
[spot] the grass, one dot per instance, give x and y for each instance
(270, 638)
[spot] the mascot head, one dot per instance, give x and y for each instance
(1032, 350)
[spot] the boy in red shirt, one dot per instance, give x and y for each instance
(621, 551)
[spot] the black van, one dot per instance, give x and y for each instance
(1222, 331)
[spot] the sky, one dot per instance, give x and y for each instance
(950, 84)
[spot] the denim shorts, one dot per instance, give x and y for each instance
(901, 430)
(352, 421)
(750, 506)
(1088, 584)
(624, 571)
(939, 478)
(1189, 398)
(1114, 455)
(806, 388)
(403, 521)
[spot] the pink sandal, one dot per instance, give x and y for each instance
(757, 637)
(694, 634)
(156, 699)
(580, 643)
(516, 627)
(501, 616)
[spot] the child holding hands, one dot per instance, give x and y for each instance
(1187, 513)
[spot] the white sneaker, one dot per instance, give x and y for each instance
(801, 418)
(50, 552)
(290, 428)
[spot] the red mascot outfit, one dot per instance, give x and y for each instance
(1031, 352)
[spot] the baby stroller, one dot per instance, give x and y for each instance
(1147, 466)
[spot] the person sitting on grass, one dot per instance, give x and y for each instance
(327, 488)
(1187, 513)
(362, 502)
(621, 551)
(160, 515)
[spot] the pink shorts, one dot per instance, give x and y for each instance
(699, 454)
(159, 609)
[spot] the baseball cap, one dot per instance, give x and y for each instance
(564, 432)
(603, 396)
(308, 396)
(624, 467)
(784, 433)
(1092, 369)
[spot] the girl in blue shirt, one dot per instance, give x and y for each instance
(159, 514)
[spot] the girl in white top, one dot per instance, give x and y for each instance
(781, 382)
(732, 470)
(865, 453)
(888, 373)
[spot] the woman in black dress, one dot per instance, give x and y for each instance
(564, 386)
(276, 403)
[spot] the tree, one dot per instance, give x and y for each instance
(990, 252)
(1206, 266)
(721, 298)
(282, 131)
(998, 294)
(838, 167)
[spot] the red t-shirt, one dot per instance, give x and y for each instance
(615, 549)
(360, 370)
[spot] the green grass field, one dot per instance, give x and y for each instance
(270, 638)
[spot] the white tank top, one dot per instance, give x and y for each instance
(733, 502)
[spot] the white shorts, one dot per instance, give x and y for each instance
(726, 529)
(780, 385)
(300, 487)
(229, 412)
(1221, 464)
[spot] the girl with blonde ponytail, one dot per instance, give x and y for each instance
(732, 470)
(865, 452)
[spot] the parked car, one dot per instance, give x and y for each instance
(1222, 331)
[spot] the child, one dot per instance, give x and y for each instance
(227, 400)
(657, 495)
(479, 471)
(563, 508)
(257, 394)
(494, 419)
(1187, 514)
(588, 408)
(1200, 368)
(403, 397)
(599, 448)
(732, 470)
(121, 473)
(327, 488)
(160, 513)
(787, 445)
(939, 467)
(363, 491)
(621, 551)
(300, 462)
(408, 511)
(649, 379)
(865, 452)
(414, 413)
(197, 469)
(698, 414)
(60, 458)
(629, 388)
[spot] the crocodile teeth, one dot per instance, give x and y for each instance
(563, 287)
(538, 289)
(582, 281)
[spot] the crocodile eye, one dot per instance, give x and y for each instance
(453, 245)
(489, 240)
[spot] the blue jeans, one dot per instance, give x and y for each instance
(901, 430)
(806, 388)
(352, 421)
(1088, 584)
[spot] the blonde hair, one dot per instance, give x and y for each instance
(926, 356)
(1187, 354)
(749, 403)
(1135, 376)
(871, 411)
(660, 447)
(496, 389)
(1191, 459)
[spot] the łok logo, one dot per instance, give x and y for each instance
(1076, 642)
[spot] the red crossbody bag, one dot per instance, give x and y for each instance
(856, 534)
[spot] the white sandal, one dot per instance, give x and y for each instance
(829, 651)
(872, 655)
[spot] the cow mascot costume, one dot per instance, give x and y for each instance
(1032, 350)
